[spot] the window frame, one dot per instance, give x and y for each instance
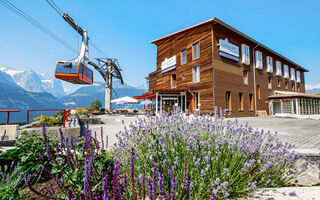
(194, 74)
(173, 81)
(181, 54)
(278, 68)
(245, 59)
(196, 103)
(292, 74)
(298, 77)
(269, 65)
(251, 104)
(241, 101)
(258, 63)
(245, 77)
(286, 71)
(193, 50)
(228, 102)
(270, 83)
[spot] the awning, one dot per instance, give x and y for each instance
(145, 96)
(294, 95)
(127, 99)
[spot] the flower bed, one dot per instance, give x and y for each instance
(162, 157)
(216, 154)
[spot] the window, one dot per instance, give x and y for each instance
(279, 83)
(183, 56)
(292, 74)
(258, 93)
(292, 87)
(228, 100)
(269, 64)
(251, 101)
(298, 77)
(196, 101)
(298, 87)
(196, 74)
(173, 81)
(183, 76)
(270, 83)
(240, 101)
(286, 71)
(245, 54)
(279, 70)
(259, 64)
(286, 85)
(245, 77)
(195, 51)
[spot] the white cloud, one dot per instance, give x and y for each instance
(311, 87)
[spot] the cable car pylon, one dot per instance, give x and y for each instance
(108, 68)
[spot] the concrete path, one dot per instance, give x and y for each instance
(112, 124)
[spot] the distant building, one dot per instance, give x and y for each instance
(212, 64)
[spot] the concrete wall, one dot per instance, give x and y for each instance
(11, 131)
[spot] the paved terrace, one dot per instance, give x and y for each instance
(304, 133)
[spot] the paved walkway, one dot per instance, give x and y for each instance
(304, 133)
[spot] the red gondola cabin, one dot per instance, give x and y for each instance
(74, 72)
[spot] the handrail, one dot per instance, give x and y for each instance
(8, 114)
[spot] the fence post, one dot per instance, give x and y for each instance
(27, 116)
(64, 118)
(8, 115)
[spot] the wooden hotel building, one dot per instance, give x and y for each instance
(212, 64)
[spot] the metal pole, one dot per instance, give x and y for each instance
(8, 115)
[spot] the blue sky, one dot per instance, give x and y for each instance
(124, 29)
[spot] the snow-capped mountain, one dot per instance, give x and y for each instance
(33, 82)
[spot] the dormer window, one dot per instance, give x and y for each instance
(269, 64)
(278, 66)
(259, 64)
(286, 71)
(245, 54)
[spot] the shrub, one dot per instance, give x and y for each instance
(82, 111)
(96, 104)
(219, 155)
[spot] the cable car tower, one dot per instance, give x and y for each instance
(107, 67)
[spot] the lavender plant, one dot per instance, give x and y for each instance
(10, 179)
(212, 157)
(85, 171)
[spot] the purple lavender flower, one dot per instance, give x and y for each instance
(70, 196)
(161, 186)
(132, 174)
(104, 186)
(213, 196)
(150, 189)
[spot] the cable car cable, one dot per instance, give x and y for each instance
(55, 7)
(36, 24)
(60, 12)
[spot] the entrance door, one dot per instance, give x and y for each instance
(169, 103)
(276, 107)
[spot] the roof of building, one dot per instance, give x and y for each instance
(294, 95)
(218, 21)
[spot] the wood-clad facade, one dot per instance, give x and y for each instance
(227, 83)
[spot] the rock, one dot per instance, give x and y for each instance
(310, 177)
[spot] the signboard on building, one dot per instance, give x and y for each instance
(169, 64)
(228, 50)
